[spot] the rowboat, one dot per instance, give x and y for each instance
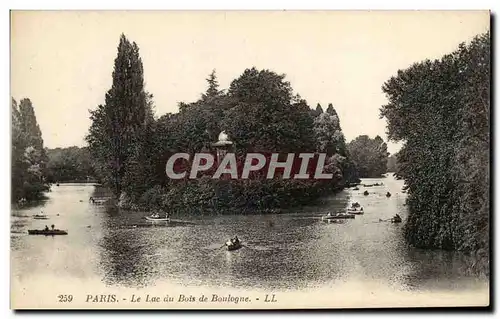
(355, 211)
(396, 219)
(99, 201)
(50, 232)
(338, 216)
(233, 245)
(158, 219)
(40, 217)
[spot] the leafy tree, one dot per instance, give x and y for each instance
(331, 110)
(213, 88)
(19, 143)
(319, 109)
(266, 116)
(329, 136)
(316, 112)
(119, 126)
(72, 164)
(28, 155)
(440, 110)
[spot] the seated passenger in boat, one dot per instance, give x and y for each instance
(52, 226)
(46, 228)
(235, 240)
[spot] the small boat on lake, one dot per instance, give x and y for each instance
(99, 201)
(396, 219)
(156, 217)
(354, 211)
(355, 205)
(49, 232)
(233, 244)
(159, 219)
(40, 216)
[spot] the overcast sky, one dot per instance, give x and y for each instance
(63, 61)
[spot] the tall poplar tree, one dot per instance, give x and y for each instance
(28, 155)
(118, 125)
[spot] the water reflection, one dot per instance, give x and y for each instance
(293, 250)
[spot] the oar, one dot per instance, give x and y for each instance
(382, 220)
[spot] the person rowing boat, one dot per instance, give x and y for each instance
(233, 244)
(155, 215)
(235, 240)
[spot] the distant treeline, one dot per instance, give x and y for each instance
(71, 164)
(441, 111)
(259, 112)
(369, 155)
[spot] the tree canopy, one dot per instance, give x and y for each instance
(440, 109)
(28, 178)
(369, 155)
(119, 127)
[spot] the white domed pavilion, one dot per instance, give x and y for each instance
(223, 145)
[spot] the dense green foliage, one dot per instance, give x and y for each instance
(72, 164)
(441, 110)
(369, 155)
(259, 112)
(331, 140)
(28, 155)
(120, 127)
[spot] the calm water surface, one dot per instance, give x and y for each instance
(294, 250)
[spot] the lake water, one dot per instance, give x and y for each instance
(290, 252)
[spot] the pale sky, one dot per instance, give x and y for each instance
(63, 61)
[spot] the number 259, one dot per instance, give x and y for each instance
(65, 298)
